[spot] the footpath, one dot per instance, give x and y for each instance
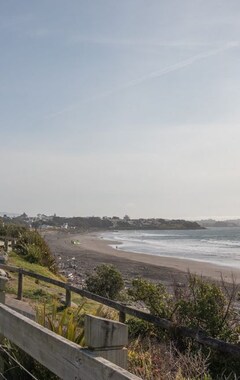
(21, 307)
(11, 301)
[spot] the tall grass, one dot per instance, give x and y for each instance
(155, 361)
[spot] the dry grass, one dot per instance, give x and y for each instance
(156, 361)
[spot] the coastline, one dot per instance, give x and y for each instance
(93, 251)
(201, 268)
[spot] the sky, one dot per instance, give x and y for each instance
(120, 107)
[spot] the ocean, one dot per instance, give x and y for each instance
(219, 246)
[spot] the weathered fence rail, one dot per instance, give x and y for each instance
(124, 310)
(5, 237)
(64, 358)
(104, 358)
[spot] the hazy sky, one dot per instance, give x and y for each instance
(120, 106)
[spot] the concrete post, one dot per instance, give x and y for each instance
(107, 339)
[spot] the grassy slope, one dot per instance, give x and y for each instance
(38, 292)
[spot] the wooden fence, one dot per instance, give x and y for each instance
(105, 340)
(124, 310)
(64, 358)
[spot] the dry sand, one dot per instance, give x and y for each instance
(93, 251)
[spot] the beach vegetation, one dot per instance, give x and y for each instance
(155, 297)
(199, 304)
(152, 360)
(205, 306)
(11, 230)
(29, 245)
(106, 281)
(34, 249)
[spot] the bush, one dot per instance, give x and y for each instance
(107, 282)
(34, 249)
(139, 328)
(156, 298)
(200, 305)
(11, 230)
(205, 306)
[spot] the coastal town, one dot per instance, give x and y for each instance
(43, 221)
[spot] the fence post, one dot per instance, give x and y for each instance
(13, 244)
(3, 281)
(6, 245)
(122, 317)
(68, 298)
(20, 285)
(107, 339)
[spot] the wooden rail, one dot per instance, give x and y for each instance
(5, 237)
(124, 310)
(64, 358)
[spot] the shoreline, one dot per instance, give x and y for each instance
(201, 268)
(94, 250)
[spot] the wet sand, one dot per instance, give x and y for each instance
(93, 251)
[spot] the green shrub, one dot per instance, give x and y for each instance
(107, 282)
(68, 324)
(34, 249)
(11, 230)
(205, 306)
(155, 297)
(139, 328)
(200, 305)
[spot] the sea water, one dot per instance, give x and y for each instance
(213, 245)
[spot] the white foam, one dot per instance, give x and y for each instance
(219, 246)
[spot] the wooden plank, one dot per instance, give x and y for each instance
(107, 339)
(10, 268)
(104, 333)
(8, 237)
(64, 358)
(46, 279)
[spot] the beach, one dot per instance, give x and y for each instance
(79, 259)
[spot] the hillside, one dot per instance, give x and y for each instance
(219, 223)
